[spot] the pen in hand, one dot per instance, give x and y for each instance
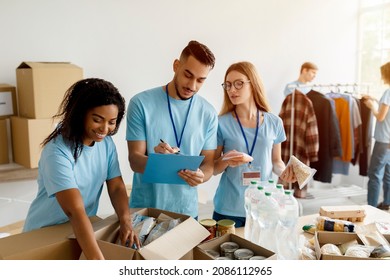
(162, 141)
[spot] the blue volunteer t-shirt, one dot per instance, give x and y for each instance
(230, 195)
(148, 120)
(57, 171)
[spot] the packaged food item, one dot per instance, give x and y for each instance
(352, 213)
(228, 248)
(330, 249)
(225, 226)
(160, 229)
(328, 224)
(344, 247)
(243, 254)
(302, 172)
(359, 251)
(211, 226)
(382, 251)
(255, 258)
(309, 228)
(237, 155)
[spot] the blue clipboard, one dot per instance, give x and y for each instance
(163, 168)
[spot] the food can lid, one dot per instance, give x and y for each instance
(226, 223)
(243, 253)
(208, 222)
(229, 246)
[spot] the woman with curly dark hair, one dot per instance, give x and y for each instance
(78, 157)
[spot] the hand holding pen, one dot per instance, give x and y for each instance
(165, 148)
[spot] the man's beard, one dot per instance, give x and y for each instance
(177, 92)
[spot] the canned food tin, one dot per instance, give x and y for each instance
(223, 258)
(257, 258)
(225, 226)
(228, 248)
(213, 253)
(210, 225)
(243, 254)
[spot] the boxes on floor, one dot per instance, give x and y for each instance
(8, 105)
(27, 136)
(41, 86)
(49, 243)
(200, 251)
(172, 245)
(4, 158)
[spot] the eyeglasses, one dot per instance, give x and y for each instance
(238, 84)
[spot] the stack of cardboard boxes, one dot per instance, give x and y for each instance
(40, 89)
(8, 107)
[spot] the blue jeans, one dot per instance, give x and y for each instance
(240, 221)
(379, 174)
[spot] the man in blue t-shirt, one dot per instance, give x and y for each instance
(306, 76)
(172, 118)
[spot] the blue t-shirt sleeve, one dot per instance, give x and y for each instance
(113, 163)
(280, 133)
(135, 127)
(385, 98)
(56, 167)
(211, 135)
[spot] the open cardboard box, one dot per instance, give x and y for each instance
(336, 238)
(49, 243)
(199, 252)
(172, 245)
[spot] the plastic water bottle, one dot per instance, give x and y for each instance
(268, 212)
(257, 200)
(270, 185)
(287, 235)
(279, 194)
(249, 192)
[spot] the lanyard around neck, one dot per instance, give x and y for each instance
(178, 140)
(250, 152)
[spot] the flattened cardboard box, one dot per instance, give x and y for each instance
(8, 103)
(214, 244)
(41, 86)
(173, 245)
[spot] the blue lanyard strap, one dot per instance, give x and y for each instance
(178, 141)
(243, 132)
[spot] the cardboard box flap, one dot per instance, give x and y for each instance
(343, 211)
(175, 243)
(45, 64)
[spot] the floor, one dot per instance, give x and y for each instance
(16, 196)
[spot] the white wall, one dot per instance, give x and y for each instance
(133, 43)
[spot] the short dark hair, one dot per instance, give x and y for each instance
(309, 65)
(199, 51)
(81, 97)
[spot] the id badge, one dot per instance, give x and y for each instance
(251, 173)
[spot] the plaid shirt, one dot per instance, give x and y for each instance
(306, 139)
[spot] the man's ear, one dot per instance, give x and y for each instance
(176, 65)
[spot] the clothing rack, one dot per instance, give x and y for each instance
(295, 86)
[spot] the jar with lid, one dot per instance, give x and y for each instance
(228, 248)
(211, 226)
(225, 226)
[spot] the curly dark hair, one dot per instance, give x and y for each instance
(81, 97)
